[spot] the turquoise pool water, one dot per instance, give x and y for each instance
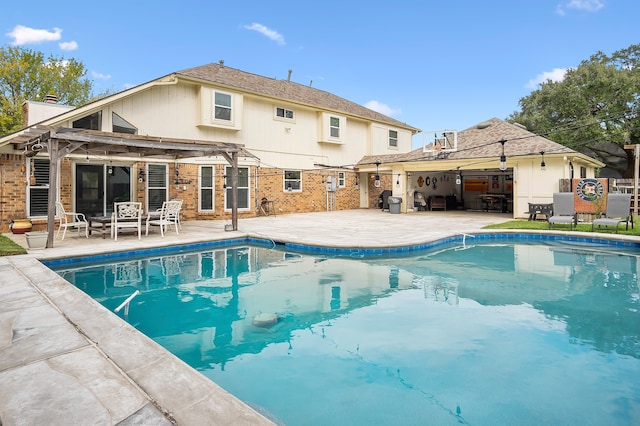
(492, 333)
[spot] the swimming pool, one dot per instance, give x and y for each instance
(494, 333)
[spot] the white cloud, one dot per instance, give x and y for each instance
(25, 35)
(382, 108)
(585, 5)
(557, 74)
(271, 34)
(100, 76)
(68, 45)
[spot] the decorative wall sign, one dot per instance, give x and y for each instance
(589, 189)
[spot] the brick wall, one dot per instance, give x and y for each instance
(12, 190)
(265, 182)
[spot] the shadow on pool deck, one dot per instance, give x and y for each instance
(65, 359)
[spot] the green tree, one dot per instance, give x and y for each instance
(26, 75)
(594, 109)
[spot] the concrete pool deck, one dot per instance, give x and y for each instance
(65, 359)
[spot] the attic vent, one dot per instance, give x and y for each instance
(483, 125)
(221, 63)
(289, 76)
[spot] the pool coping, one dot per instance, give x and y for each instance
(360, 251)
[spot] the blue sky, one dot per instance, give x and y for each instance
(434, 65)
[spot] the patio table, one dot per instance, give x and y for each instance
(102, 225)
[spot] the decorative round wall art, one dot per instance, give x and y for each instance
(589, 189)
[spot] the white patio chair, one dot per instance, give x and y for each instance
(618, 211)
(70, 220)
(169, 214)
(126, 215)
(564, 211)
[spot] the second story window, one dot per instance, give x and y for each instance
(89, 122)
(120, 125)
(284, 113)
(222, 106)
(334, 126)
(393, 138)
(341, 179)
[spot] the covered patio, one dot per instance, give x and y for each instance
(60, 142)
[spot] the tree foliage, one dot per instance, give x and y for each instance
(593, 110)
(26, 75)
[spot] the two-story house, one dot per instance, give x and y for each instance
(296, 146)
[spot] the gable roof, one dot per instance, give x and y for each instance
(483, 141)
(222, 75)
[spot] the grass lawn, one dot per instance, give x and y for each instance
(9, 248)
(544, 226)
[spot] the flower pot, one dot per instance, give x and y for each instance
(20, 226)
(37, 240)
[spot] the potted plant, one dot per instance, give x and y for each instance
(37, 240)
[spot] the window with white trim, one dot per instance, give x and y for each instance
(341, 179)
(38, 186)
(156, 186)
(243, 188)
(292, 180)
(222, 106)
(284, 113)
(334, 127)
(207, 189)
(393, 138)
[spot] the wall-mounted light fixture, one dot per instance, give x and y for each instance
(141, 175)
(571, 168)
(376, 183)
(357, 180)
(503, 158)
(110, 169)
(398, 180)
(543, 165)
(224, 184)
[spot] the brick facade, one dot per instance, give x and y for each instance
(264, 182)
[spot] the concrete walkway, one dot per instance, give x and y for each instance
(66, 360)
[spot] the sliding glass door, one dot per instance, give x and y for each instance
(98, 186)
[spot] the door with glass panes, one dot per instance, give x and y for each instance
(98, 186)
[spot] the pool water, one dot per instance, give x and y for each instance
(516, 333)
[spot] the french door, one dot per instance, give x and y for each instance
(98, 186)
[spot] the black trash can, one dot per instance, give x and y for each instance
(394, 204)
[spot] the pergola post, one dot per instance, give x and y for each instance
(636, 169)
(53, 190)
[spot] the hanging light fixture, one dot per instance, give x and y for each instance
(503, 158)
(376, 183)
(543, 165)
